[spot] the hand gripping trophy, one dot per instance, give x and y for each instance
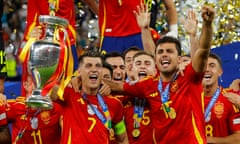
(48, 61)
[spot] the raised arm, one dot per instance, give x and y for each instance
(115, 86)
(190, 26)
(199, 59)
(143, 20)
(171, 17)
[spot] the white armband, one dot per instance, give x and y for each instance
(173, 31)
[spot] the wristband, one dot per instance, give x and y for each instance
(173, 30)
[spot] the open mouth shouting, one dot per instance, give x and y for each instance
(118, 78)
(142, 74)
(93, 77)
(165, 63)
(207, 77)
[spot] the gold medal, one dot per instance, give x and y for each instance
(111, 132)
(136, 133)
(172, 113)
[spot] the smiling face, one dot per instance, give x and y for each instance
(213, 72)
(118, 66)
(91, 73)
(144, 65)
(167, 58)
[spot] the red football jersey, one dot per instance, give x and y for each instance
(116, 17)
(146, 129)
(223, 119)
(47, 130)
(80, 123)
(185, 99)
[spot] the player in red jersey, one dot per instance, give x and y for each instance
(60, 8)
(118, 26)
(89, 117)
(137, 110)
(221, 116)
(32, 126)
(176, 110)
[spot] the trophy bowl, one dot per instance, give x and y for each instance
(44, 60)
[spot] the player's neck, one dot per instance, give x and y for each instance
(167, 77)
(209, 90)
(90, 91)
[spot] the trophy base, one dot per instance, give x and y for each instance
(36, 100)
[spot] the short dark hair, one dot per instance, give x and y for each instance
(143, 53)
(113, 54)
(133, 48)
(216, 57)
(90, 53)
(109, 67)
(169, 39)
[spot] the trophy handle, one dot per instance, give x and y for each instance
(65, 34)
(36, 77)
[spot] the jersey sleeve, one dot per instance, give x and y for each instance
(118, 119)
(139, 88)
(192, 76)
(117, 110)
(234, 120)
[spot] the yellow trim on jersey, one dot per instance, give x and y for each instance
(154, 138)
(196, 131)
(70, 137)
(117, 98)
(236, 109)
(202, 100)
(11, 100)
(103, 27)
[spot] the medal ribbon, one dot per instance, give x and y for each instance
(212, 102)
(23, 129)
(138, 111)
(106, 118)
(164, 94)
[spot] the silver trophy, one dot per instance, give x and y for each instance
(44, 59)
